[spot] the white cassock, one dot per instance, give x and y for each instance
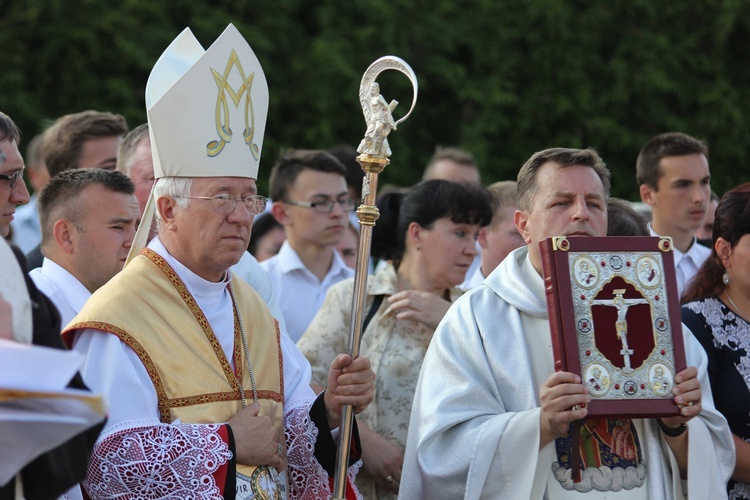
(474, 429)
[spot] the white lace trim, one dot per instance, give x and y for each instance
(166, 461)
(740, 491)
(307, 478)
(128, 425)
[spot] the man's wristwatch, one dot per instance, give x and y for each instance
(672, 431)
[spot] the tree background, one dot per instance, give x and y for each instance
(500, 78)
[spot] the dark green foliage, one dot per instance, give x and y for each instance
(500, 78)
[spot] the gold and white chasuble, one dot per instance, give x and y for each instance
(194, 381)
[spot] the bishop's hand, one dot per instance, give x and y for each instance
(256, 441)
(349, 383)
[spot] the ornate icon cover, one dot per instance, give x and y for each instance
(614, 318)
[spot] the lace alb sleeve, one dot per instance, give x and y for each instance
(308, 480)
(164, 461)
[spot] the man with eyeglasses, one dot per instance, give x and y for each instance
(13, 191)
(208, 398)
(311, 200)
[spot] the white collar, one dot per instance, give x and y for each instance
(75, 292)
(533, 280)
(289, 260)
(198, 286)
(695, 252)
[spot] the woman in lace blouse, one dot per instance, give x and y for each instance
(428, 236)
(717, 311)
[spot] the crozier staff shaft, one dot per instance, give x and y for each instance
(367, 213)
(374, 151)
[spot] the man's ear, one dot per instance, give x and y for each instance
(65, 235)
(166, 206)
(482, 237)
(647, 194)
(279, 212)
(521, 219)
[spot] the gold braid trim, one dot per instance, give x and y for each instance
(190, 302)
(161, 394)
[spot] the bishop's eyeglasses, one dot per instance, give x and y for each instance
(225, 203)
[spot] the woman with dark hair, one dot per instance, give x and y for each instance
(428, 236)
(717, 311)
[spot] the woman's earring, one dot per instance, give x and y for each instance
(725, 278)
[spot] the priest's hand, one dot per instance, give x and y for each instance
(687, 396)
(559, 394)
(256, 441)
(349, 383)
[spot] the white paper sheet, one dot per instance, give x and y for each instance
(37, 411)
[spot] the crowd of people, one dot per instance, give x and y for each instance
(215, 322)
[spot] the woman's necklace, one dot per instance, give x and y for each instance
(739, 311)
(247, 353)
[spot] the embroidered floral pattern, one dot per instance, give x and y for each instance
(738, 491)
(729, 331)
(159, 462)
(726, 338)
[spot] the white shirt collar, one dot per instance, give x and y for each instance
(198, 286)
(289, 260)
(697, 252)
(74, 291)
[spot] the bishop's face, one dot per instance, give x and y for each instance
(205, 241)
(568, 201)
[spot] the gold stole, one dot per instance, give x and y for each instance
(160, 320)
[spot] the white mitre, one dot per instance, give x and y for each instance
(206, 111)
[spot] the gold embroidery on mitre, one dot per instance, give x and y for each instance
(222, 108)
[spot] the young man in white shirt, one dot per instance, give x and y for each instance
(89, 218)
(672, 172)
(311, 200)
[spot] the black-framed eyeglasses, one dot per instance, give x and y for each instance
(12, 179)
(324, 207)
(225, 204)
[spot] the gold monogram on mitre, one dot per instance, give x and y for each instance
(222, 107)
